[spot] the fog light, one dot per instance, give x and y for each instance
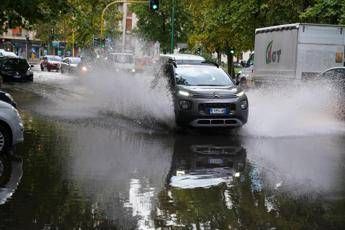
(185, 105)
(244, 104)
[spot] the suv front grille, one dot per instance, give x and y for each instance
(204, 108)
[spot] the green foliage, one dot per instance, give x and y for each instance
(156, 26)
(81, 24)
(29, 12)
(330, 12)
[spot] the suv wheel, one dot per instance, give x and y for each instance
(4, 139)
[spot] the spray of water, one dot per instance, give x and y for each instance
(130, 96)
(307, 108)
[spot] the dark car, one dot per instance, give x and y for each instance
(50, 62)
(15, 69)
(204, 95)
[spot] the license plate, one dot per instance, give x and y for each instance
(215, 161)
(217, 110)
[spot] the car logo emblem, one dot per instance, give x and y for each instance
(215, 95)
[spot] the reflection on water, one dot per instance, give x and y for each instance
(204, 161)
(83, 175)
(10, 175)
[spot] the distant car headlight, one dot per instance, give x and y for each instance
(185, 105)
(84, 68)
(244, 104)
(183, 93)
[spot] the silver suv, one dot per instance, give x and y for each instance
(204, 95)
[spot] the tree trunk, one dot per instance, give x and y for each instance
(230, 65)
(219, 57)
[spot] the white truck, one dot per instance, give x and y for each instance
(295, 51)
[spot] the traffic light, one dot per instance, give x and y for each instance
(232, 51)
(154, 5)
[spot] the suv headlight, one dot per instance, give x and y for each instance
(183, 93)
(240, 94)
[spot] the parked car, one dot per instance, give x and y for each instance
(15, 69)
(51, 62)
(4, 53)
(6, 97)
(204, 95)
(11, 126)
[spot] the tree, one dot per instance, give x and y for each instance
(81, 24)
(156, 26)
(330, 12)
(26, 13)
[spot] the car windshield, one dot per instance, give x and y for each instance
(54, 58)
(122, 58)
(198, 75)
(75, 60)
(16, 64)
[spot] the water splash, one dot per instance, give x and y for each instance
(303, 109)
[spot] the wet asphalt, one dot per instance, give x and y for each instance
(87, 163)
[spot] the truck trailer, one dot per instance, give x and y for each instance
(295, 51)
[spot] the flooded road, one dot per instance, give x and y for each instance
(88, 164)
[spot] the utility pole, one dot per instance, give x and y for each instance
(172, 26)
(73, 41)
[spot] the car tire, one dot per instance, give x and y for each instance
(4, 139)
(48, 69)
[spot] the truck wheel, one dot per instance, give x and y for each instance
(4, 139)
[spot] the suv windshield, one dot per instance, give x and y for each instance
(75, 60)
(198, 75)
